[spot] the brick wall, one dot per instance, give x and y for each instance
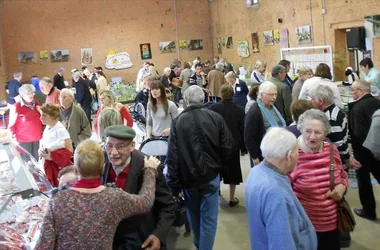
(233, 18)
(120, 25)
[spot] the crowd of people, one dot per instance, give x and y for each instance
(292, 129)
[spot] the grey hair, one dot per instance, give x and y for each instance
(17, 74)
(230, 75)
(60, 69)
(324, 93)
(260, 63)
(76, 75)
(194, 95)
(219, 66)
(167, 70)
(67, 92)
(108, 117)
(265, 87)
(277, 143)
(277, 70)
(304, 70)
(362, 84)
(314, 114)
(46, 80)
(26, 89)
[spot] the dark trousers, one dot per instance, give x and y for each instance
(367, 199)
(87, 110)
(32, 148)
(328, 240)
(177, 94)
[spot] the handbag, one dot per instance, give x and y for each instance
(345, 218)
(177, 83)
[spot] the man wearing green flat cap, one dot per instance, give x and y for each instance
(124, 167)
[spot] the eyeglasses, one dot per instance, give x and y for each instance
(271, 94)
(354, 89)
(119, 147)
(315, 132)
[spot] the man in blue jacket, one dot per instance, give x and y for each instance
(13, 86)
(240, 89)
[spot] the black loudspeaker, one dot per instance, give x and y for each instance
(355, 38)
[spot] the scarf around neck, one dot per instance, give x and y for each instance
(269, 116)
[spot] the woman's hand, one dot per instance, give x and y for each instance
(151, 162)
(46, 154)
(338, 192)
(166, 132)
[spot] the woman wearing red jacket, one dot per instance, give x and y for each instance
(311, 178)
(107, 100)
(25, 123)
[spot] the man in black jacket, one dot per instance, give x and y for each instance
(124, 166)
(199, 143)
(83, 94)
(359, 122)
(59, 80)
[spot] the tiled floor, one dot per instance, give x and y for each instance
(232, 233)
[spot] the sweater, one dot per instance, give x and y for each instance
(311, 181)
(77, 220)
(25, 123)
(53, 96)
(59, 82)
(13, 87)
(158, 120)
(276, 219)
(126, 117)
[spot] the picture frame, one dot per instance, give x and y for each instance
(145, 51)
(59, 55)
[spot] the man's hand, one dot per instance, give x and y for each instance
(337, 193)
(151, 162)
(355, 164)
(152, 242)
(166, 132)
(256, 161)
(45, 154)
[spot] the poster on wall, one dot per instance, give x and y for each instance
(229, 43)
(86, 56)
(276, 35)
(219, 45)
(120, 60)
(182, 44)
(223, 41)
(243, 48)
(255, 42)
(374, 23)
(59, 55)
(167, 47)
(44, 55)
(284, 38)
(303, 34)
(195, 44)
(268, 37)
(27, 57)
(145, 51)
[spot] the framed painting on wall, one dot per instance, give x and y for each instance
(44, 55)
(195, 44)
(276, 35)
(219, 45)
(145, 51)
(268, 37)
(27, 57)
(59, 55)
(182, 44)
(255, 42)
(303, 34)
(284, 38)
(373, 22)
(229, 43)
(167, 47)
(86, 56)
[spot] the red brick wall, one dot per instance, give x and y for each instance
(120, 25)
(233, 18)
(3, 75)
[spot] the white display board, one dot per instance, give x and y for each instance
(308, 56)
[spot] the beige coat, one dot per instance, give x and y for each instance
(101, 85)
(215, 81)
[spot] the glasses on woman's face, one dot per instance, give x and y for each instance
(271, 94)
(315, 132)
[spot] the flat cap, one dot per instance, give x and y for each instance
(121, 132)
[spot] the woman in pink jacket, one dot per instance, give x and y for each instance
(311, 178)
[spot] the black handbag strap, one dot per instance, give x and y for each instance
(332, 167)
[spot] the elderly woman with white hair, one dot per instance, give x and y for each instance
(257, 75)
(276, 219)
(304, 73)
(25, 123)
(165, 78)
(261, 116)
(311, 179)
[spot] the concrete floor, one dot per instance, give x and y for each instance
(232, 233)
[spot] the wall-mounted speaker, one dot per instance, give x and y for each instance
(356, 38)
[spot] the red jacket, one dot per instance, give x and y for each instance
(124, 114)
(26, 126)
(61, 158)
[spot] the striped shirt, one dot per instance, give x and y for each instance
(339, 132)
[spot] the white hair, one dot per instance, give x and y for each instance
(26, 89)
(277, 143)
(219, 66)
(66, 91)
(314, 114)
(194, 95)
(265, 87)
(362, 84)
(17, 74)
(260, 63)
(167, 70)
(324, 93)
(76, 75)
